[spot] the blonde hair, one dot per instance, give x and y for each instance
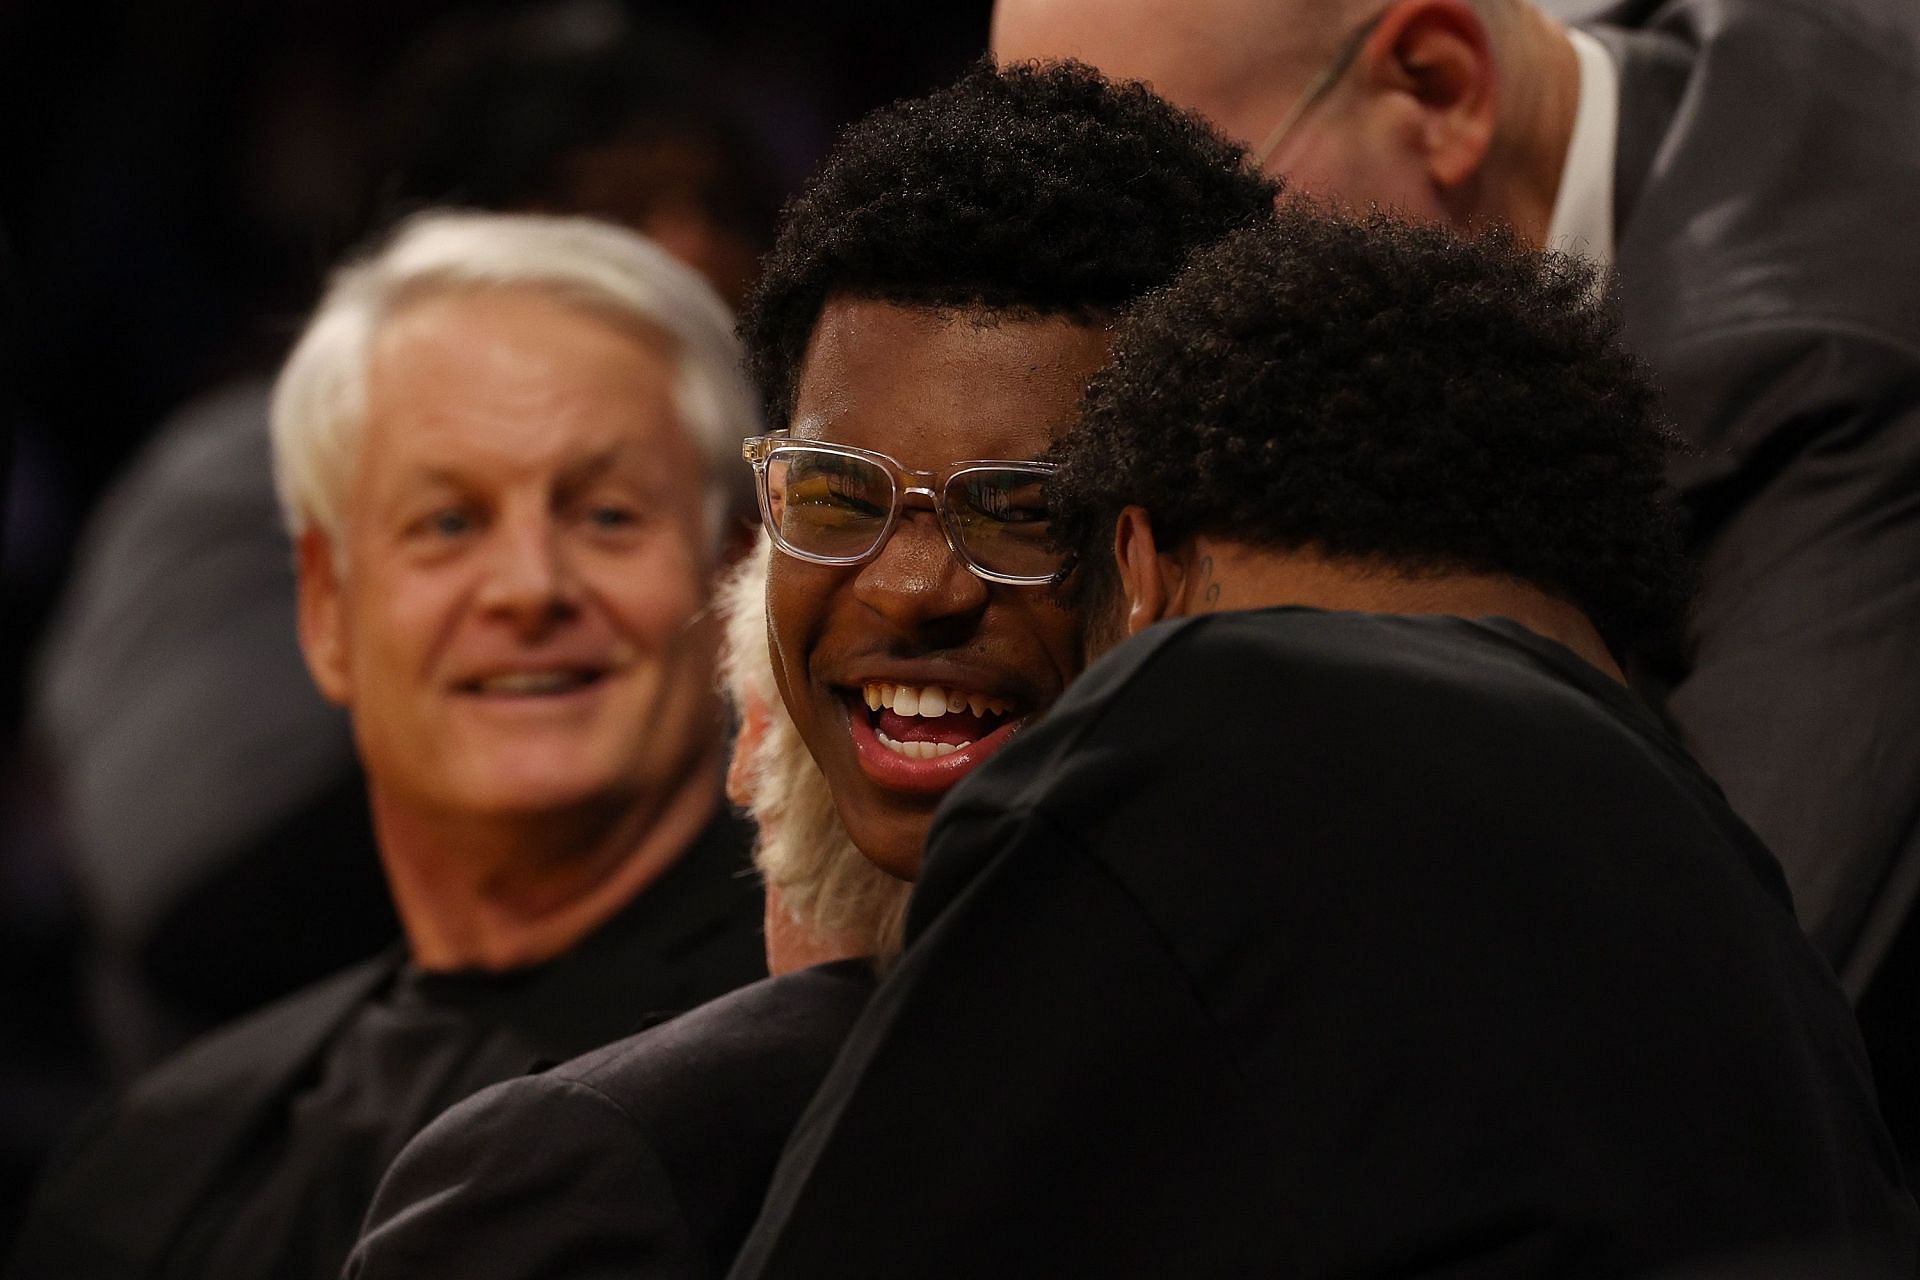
(825, 883)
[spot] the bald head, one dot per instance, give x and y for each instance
(1445, 110)
(1234, 61)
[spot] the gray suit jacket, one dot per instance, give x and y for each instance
(1767, 188)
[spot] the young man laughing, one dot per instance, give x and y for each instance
(1352, 918)
(922, 331)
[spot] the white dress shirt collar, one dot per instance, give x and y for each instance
(1582, 221)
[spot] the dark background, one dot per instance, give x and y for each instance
(175, 179)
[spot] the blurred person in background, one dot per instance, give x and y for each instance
(933, 305)
(255, 843)
(45, 1058)
(1744, 171)
(506, 448)
(1353, 918)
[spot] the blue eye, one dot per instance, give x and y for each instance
(450, 523)
(610, 517)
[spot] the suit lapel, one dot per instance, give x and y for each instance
(198, 1111)
(1654, 69)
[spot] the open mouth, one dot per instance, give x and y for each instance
(926, 737)
(533, 684)
(922, 722)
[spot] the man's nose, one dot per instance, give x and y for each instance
(529, 576)
(916, 582)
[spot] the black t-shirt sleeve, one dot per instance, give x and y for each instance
(537, 1177)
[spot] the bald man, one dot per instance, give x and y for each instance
(1746, 169)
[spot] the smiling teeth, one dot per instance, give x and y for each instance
(919, 750)
(931, 701)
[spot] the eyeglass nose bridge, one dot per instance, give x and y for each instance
(934, 500)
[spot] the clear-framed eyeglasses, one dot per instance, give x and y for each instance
(834, 504)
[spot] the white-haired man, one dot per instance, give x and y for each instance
(650, 1156)
(507, 449)
(1746, 170)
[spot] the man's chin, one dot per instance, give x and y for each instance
(520, 790)
(890, 831)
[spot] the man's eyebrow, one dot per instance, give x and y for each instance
(430, 477)
(594, 466)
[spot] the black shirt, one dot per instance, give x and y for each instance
(1313, 944)
(648, 1157)
(256, 1152)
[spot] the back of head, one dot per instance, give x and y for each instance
(1452, 110)
(1391, 395)
(1028, 190)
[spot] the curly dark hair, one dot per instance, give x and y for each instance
(1032, 189)
(1392, 393)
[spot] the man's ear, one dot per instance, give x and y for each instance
(1437, 56)
(321, 618)
(1150, 581)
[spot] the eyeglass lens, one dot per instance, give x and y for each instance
(1000, 517)
(837, 506)
(828, 504)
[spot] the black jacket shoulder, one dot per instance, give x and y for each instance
(1302, 943)
(113, 1197)
(647, 1157)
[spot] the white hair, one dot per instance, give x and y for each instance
(826, 884)
(320, 401)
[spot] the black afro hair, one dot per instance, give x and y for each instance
(1391, 393)
(1039, 190)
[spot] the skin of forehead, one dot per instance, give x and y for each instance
(961, 367)
(442, 334)
(1216, 56)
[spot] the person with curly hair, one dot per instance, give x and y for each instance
(1379, 392)
(1352, 917)
(1746, 172)
(959, 256)
(922, 330)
